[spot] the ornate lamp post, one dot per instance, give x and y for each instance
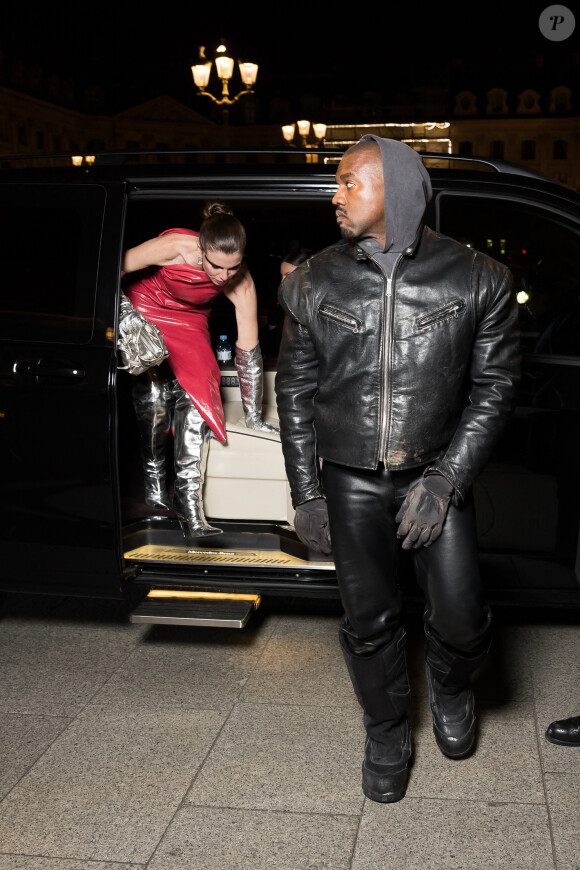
(225, 68)
(79, 159)
(319, 130)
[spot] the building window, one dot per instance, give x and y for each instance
(529, 103)
(57, 142)
(496, 102)
(560, 149)
(40, 140)
(466, 148)
(22, 135)
(497, 149)
(528, 149)
(465, 103)
(560, 100)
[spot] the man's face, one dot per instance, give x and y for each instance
(360, 198)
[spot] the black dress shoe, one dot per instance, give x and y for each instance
(565, 732)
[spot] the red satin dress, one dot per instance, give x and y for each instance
(177, 299)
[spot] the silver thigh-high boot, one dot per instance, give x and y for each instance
(250, 368)
(152, 401)
(191, 435)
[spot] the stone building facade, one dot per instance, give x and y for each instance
(538, 129)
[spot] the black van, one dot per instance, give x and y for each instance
(72, 515)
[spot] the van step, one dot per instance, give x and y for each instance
(210, 609)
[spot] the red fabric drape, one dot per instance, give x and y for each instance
(178, 299)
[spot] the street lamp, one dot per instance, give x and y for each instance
(225, 68)
(319, 130)
(78, 159)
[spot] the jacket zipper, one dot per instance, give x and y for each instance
(450, 310)
(386, 344)
(346, 320)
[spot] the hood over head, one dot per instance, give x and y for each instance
(407, 192)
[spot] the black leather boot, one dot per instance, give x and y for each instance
(381, 685)
(451, 695)
(564, 732)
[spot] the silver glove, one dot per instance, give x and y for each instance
(140, 343)
(250, 367)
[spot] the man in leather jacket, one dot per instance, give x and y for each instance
(398, 368)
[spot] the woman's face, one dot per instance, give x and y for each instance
(220, 267)
(286, 268)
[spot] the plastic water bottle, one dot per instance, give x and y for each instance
(224, 350)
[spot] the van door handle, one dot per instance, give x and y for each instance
(43, 368)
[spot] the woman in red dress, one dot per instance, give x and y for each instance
(179, 274)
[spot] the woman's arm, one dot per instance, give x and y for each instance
(162, 251)
(241, 290)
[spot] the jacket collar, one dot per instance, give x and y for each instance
(359, 254)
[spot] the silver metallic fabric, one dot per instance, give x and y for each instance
(161, 404)
(140, 343)
(152, 400)
(191, 444)
(250, 367)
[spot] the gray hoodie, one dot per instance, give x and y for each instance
(407, 192)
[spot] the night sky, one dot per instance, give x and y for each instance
(137, 55)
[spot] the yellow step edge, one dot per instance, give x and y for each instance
(218, 596)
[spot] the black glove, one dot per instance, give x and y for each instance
(311, 524)
(423, 512)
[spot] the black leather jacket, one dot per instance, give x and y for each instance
(421, 371)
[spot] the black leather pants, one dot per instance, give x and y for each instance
(362, 506)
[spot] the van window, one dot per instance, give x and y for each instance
(274, 223)
(542, 250)
(51, 237)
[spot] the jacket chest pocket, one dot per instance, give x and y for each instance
(452, 310)
(341, 318)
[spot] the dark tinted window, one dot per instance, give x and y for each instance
(542, 250)
(50, 247)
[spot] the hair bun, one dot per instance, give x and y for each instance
(215, 207)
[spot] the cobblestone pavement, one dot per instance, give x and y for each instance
(171, 748)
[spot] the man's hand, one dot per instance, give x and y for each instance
(311, 524)
(423, 512)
